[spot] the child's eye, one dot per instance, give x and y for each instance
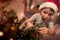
(45, 12)
(50, 14)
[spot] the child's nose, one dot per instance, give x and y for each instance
(46, 15)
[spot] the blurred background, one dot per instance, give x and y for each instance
(12, 13)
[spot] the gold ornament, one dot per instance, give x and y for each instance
(12, 28)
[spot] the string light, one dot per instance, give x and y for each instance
(12, 28)
(11, 38)
(1, 33)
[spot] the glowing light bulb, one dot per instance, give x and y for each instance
(11, 38)
(1, 33)
(12, 28)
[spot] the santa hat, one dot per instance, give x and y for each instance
(54, 1)
(50, 5)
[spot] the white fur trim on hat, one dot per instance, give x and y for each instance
(49, 4)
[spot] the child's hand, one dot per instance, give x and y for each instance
(43, 31)
(28, 26)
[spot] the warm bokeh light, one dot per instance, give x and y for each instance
(12, 28)
(1, 33)
(11, 38)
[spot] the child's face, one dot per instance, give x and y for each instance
(46, 13)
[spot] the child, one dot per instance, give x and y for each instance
(47, 12)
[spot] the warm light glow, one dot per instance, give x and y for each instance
(1, 33)
(11, 38)
(12, 28)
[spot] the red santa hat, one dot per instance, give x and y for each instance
(50, 3)
(54, 1)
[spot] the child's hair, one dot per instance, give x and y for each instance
(48, 7)
(58, 20)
